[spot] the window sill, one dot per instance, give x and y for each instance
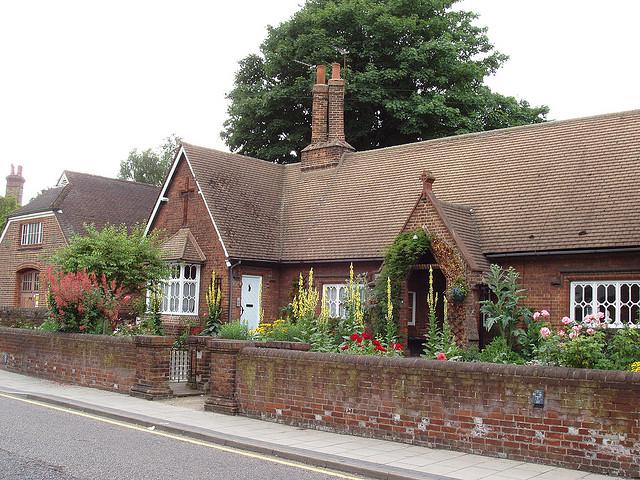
(23, 248)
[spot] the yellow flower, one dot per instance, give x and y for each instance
(635, 367)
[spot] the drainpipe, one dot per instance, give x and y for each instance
(230, 268)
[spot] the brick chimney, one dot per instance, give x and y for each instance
(327, 122)
(15, 184)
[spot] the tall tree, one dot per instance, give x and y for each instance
(415, 71)
(7, 205)
(150, 165)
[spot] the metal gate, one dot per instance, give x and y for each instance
(179, 366)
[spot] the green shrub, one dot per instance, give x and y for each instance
(499, 352)
(235, 330)
(585, 351)
(624, 348)
(49, 325)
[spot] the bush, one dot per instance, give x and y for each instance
(235, 330)
(280, 331)
(585, 351)
(364, 344)
(499, 352)
(49, 325)
(624, 348)
(84, 302)
(131, 260)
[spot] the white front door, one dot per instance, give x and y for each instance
(250, 300)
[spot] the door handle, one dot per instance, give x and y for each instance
(249, 305)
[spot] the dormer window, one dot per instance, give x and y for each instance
(31, 234)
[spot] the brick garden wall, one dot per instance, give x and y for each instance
(590, 420)
(135, 365)
(10, 316)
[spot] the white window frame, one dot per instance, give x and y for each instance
(595, 306)
(31, 233)
(175, 303)
(413, 296)
(341, 309)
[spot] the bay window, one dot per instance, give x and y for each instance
(181, 290)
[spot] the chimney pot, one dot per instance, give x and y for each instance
(19, 170)
(15, 184)
(335, 71)
(427, 182)
(321, 74)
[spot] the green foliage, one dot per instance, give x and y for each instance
(529, 339)
(585, 351)
(235, 330)
(214, 307)
(401, 255)
(7, 205)
(132, 260)
(152, 321)
(50, 325)
(624, 348)
(150, 166)
(504, 310)
(498, 351)
(282, 331)
(437, 340)
(415, 71)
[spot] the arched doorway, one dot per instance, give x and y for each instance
(29, 288)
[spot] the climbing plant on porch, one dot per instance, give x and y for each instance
(401, 255)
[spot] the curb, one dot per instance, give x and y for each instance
(307, 457)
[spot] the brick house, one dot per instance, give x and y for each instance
(558, 201)
(46, 223)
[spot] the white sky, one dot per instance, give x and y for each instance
(82, 83)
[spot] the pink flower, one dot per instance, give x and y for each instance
(601, 315)
(545, 332)
(544, 313)
(573, 335)
(561, 333)
(588, 318)
(590, 331)
(566, 320)
(441, 356)
(536, 315)
(576, 328)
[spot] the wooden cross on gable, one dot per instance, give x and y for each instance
(186, 195)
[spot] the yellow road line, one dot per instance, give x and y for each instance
(185, 439)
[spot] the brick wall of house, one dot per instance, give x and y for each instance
(169, 219)
(14, 257)
(547, 278)
(92, 360)
(589, 419)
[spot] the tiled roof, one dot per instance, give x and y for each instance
(182, 246)
(43, 202)
(553, 186)
(93, 199)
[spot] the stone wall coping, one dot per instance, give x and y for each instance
(230, 344)
(86, 337)
(631, 379)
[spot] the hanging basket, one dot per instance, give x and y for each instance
(458, 294)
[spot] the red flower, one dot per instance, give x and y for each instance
(366, 335)
(397, 346)
(355, 337)
(344, 347)
(441, 356)
(376, 342)
(380, 349)
(82, 328)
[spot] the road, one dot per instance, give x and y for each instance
(41, 442)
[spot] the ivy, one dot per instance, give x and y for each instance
(401, 255)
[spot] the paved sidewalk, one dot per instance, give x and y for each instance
(368, 457)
